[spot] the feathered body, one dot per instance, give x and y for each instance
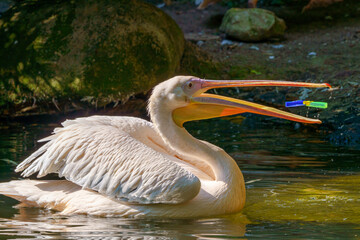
(127, 166)
(103, 179)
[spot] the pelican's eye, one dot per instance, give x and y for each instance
(191, 86)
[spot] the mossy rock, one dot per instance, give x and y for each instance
(252, 24)
(197, 62)
(85, 49)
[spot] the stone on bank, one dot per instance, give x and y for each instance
(252, 25)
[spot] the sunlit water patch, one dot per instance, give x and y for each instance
(298, 186)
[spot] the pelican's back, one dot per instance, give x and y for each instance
(115, 156)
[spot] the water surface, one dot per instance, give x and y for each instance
(299, 186)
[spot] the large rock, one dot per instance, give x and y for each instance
(253, 24)
(94, 49)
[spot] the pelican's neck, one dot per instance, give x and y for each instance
(177, 138)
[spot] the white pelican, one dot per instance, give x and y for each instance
(127, 166)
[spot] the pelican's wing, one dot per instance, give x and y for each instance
(112, 155)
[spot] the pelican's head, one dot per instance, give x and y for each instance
(185, 98)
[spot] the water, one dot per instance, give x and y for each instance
(298, 187)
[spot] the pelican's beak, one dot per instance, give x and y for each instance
(204, 106)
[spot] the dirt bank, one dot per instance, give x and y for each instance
(322, 45)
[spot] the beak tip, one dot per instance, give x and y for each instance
(316, 121)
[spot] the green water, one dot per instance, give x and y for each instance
(299, 186)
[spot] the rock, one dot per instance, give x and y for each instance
(252, 24)
(226, 42)
(196, 62)
(277, 46)
(102, 49)
(312, 54)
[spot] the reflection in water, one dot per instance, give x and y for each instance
(262, 157)
(297, 187)
(34, 222)
(17, 140)
(332, 200)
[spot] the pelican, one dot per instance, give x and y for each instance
(130, 167)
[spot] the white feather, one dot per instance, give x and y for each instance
(127, 166)
(97, 153)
